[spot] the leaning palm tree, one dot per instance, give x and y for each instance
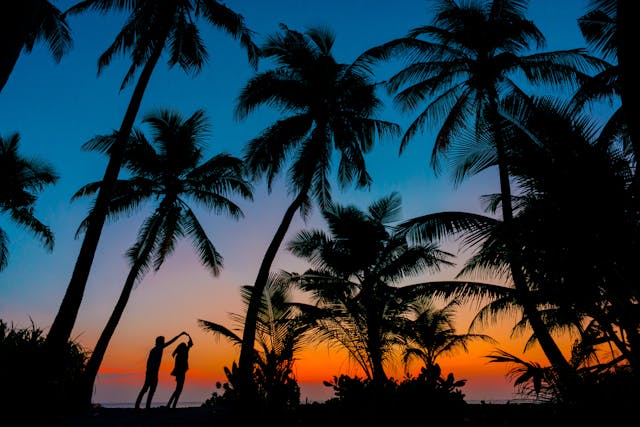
(20, 180)
(429, 332)
(462, 65)
(169, 171)
(356, 279)
(280, 334)
(151, 27)
(23, 24)
(329, 106)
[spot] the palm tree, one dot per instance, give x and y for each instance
(430, 332)
(463, 65)
(23, 24)
(580, 278)
(357, 278)
(281, 333)
(151, 27)
(21, 179)
(329, 106)
(168, 170)
(608, 29)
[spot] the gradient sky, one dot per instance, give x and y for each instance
(58, 107)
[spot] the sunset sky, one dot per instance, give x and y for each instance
(57, 107)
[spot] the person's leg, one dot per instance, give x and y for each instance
(179, 385)
(144, 389)
(171, 399)
(152, 389)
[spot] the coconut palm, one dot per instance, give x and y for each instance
(607, 29)
(575, 275)
(329, 107)
(21, 180)
(461, 66)
(357, 279)
(25, 23)
(430, 332)
(280, 334)
(168, 171)
(151, 28)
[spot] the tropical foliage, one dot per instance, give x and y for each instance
(25, 23)
(356, 280)
(280, 334)
(22, 179)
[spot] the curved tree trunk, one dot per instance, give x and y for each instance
(245, 364)
(547, 343)
(64, 321)
(93, 365)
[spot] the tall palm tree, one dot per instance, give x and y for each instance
(430, 332)
(329, 106)
(281, 333)
(21, 179)
(462, 65)
(169, 171)
(23, 24)
(581, 278)
(356, 278)
(151, 27)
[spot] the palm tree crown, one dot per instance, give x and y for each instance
(170, 24)
(172, 173)
(22, 179)
(468, 58)
(355, 277)
(327, 105)
(25, 23)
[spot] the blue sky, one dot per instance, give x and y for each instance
(58, 107)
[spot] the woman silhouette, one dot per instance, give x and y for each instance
(181, 356)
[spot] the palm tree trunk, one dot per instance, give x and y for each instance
(93, 365)
(64, 321)
(547, 343)
(245, 364)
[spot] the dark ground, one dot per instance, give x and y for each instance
(316, 415)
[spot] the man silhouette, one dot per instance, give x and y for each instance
(153, 368)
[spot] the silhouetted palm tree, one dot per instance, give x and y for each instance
(280, 334)
(24, 23)
(168, 171)
(429, 332)
(21, 179)
(151, 27)
(462, 66)
(575, 274)
(329, 107)
(609, 27)
(356, 279)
